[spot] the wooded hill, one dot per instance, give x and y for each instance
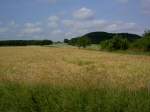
(97, 37)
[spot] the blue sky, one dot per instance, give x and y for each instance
(59, 19)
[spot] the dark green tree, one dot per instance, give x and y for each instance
(143, 43)
(66, 41)
(146, 33)
(116, 43)
(83, 42)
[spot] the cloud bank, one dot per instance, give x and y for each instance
(55, 28)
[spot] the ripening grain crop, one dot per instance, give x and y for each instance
(41, 79)
(73, 67)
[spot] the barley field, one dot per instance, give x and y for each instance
(49, 79)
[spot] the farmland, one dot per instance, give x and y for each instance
(42, 79)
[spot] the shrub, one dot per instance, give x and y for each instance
(116, 43)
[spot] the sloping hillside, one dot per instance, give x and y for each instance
(97, 37)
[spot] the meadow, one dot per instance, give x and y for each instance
(54, 79)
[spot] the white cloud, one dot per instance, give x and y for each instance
(32, 24)
(77, 24)
(83, 14)
(13, 23)
(30, 28)
(53, 21)
(120, 26)
(57, 32)
(55, 28)
(53, 24)
(29, 25)
(54, 18)
(68, 28)
(70, 34)
(81, 27)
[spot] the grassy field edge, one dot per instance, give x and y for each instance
(44, 98)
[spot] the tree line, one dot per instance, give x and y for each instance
(119, 43)
(116, 42)
(25, 42)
